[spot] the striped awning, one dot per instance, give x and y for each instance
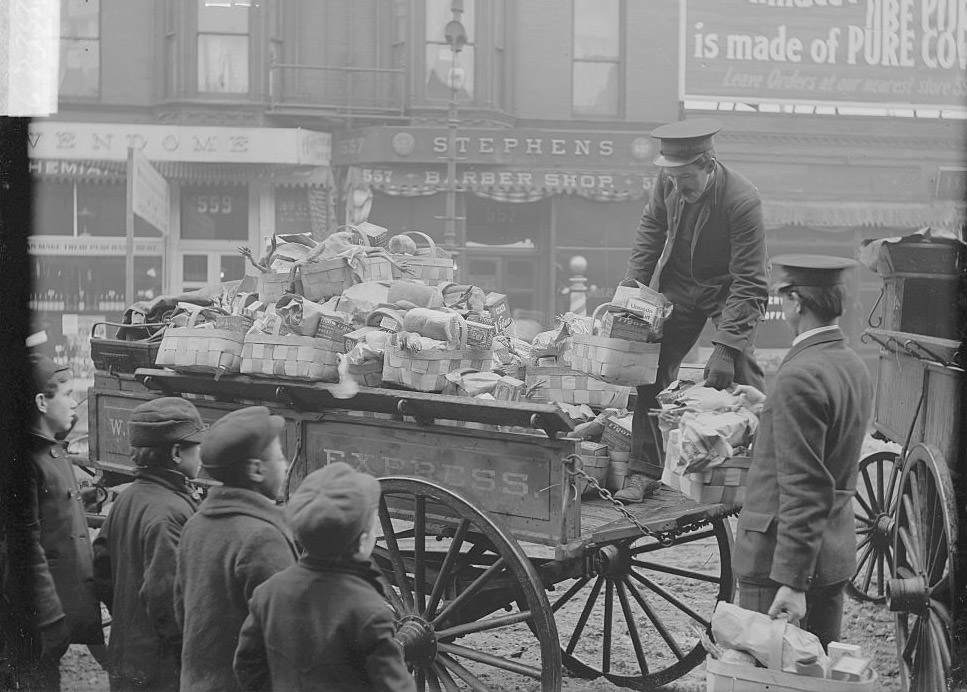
(870, 214)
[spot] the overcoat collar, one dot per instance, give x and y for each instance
(830, 336)
(226, 501)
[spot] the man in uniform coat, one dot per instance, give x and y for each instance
(49, 585)
(795, 544)
(701, 242)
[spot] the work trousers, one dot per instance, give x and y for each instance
(681, 331)
(824, 607)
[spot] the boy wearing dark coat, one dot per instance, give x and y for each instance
(50, 583)
(236, 540)
(136, 548)
(323, 624)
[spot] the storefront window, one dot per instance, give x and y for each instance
(53, 209)
(292, 210)
(597, 57)
(80, 48)
(83, 209)
(100, 210)
(446, 77)
(214, 212)
(223, 46)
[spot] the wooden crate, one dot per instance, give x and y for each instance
(922, 304)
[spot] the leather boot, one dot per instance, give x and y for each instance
(637, 488)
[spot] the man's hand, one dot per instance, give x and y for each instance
(720, 369)
(751, 397)
(789, 604)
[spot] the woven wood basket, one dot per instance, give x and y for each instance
(324, 278)
(274, 285)
(724, 483)
(617, 361)
(292, 356)
(426, 371)
(369, 373)
(432, 265)
(571, 387)
(200, 350)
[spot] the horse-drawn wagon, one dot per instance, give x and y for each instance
(487, 544)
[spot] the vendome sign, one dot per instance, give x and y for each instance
(908, 53)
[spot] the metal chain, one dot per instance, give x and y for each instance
(666, 538)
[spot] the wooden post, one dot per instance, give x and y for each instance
(129, 234)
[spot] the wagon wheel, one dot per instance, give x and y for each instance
(460, 582)
(638, 613)
(922, 592)
(874, 507)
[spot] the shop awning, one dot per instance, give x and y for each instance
(91, 170)
(502, 183)
(948, 215)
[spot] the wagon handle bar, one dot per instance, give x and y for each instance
(869, 318)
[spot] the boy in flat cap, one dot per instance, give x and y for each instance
(701, 242)
(795, 543)
(52, 601)
(136, 548)
(331, 598)
(236, 540)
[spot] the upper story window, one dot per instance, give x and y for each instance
(80, 48)
(223, 46)
(449, 74)
(596, 71)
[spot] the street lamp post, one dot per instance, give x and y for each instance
(456, 36)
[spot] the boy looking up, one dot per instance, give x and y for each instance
(331, 598)
(236, 540)
(136, 548)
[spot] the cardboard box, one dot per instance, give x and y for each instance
(480, 335)
(377, 235)
(509, 389)
(618, 325)
(497, 305)
(332, 328)
(354, 337)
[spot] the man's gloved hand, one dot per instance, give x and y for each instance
(720, 369)
(54, 639)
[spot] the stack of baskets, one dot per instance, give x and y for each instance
(618, 361)
(291, 355)
(426, 371)
(202, 349)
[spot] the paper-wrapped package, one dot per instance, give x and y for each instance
(708, 438)
(746, 630)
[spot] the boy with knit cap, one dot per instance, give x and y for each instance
(136, 548)
(345, 639)
(236, 540)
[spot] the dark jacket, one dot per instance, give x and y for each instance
(345, 640)
(235, 541)
(137, 547)
(728, 251)
(49, 534)
(796, 527)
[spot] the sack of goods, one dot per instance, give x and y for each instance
(708, 436)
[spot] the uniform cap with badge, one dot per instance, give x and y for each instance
(683, 142)
(816, 271)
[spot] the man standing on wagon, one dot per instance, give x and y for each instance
(701, 242)
(795, 542)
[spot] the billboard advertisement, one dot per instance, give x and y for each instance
(871, 53)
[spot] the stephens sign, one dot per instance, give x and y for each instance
(903, 53)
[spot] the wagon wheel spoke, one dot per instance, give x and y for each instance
(469, 592)
(396, 557)
(449, 684)
(863, 504)
(700, 576)
(454, 667)
(432, 681)
(608, 626)
(421, 680)
(483, 625)
(445, 569)
(569, 594)
(892, 485)
(419, 545)
(870, 494)
(864, 520)
(655, 620)
(868, 579)
(585, 614)
(490, 660)
(632, 627)
(671, 599)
